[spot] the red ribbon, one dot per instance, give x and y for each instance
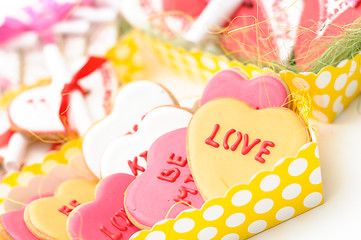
(90, 66)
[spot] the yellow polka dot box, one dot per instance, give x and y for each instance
(292, 187)
(331, 89)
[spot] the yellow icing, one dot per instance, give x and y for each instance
(215, 170)
(44, 215)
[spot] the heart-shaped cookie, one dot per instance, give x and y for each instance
(13, 225)
(260, 92)
(250, 34)
(46, 218)
(104, 218)
(166, 181)
(321, 22)
(128, 154)
(132, 103)
(37, 110)
(228, 142)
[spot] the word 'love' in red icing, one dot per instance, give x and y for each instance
(246, 146)
(116, 236)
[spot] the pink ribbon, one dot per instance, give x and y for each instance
(41, 21)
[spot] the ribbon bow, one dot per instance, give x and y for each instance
(90, 66)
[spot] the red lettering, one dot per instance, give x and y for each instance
(74, 203)
(116, 225)
(65, 210)
(189, 178)
(179, 161)
(114, 222)
(226, 137)
(264, 150)
(169, 175)
(239, 139)
(109, 234)
(123, 215)
(210, 140)
(134, 167)
(144, 155)
(247, 148)
(184, 193)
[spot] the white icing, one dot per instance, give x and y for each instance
(138, 12)
(329, 11)
(158, 122)
(4, 122)
(37, 109)
(131, 104)
(284, 27)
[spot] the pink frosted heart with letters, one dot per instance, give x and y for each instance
(104, 218)
(260, 92)
(166, 181)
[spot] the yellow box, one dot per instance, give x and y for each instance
(293, 187)
(331, 90)
(43, 178)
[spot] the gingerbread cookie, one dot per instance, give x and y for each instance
(105, 218)
(128, 154)
(46, 218)
(228, 142)
(166, 181)
(266, 90)
(132, 103)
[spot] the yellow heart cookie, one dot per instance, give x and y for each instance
(228, 142)
(46, 217)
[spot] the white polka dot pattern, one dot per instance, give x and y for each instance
(331, 90)
(292, 188)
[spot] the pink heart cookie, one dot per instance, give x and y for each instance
(14, 224)
(250, 35)
(105, 217)
(191, 7)
(321, 21)
(166, 181)
(260, 92)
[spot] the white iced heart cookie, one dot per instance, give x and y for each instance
(131, 104)
(37, 110)
(128, 154)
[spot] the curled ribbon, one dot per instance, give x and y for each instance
(90, 66)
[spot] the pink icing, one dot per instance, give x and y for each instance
(253, 37)
(259, 92)
(149, 197)
(15, 225)
(104, 218)
(194, 11)
(313, 17)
